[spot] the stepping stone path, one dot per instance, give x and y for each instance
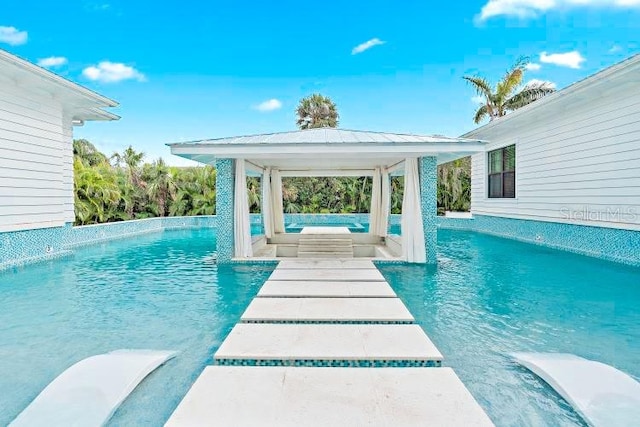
(327, 343)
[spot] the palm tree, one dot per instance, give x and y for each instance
(87, 153)
(161, 187)
(317, 111)
(508, 94)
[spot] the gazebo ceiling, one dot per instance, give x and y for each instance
(327, 149)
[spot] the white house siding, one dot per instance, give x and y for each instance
(577, 162)
(34, 161)
(67, 170)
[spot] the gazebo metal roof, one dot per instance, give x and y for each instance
(327, 151)
(327, 136)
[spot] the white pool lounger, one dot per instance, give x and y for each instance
(89, 392)
(601, 394)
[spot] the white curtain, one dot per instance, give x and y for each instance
(267, 205)
(241, 224)
(413, 246)
(386, 204)
(375, 212)
(276, 194)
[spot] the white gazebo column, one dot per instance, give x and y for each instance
(376, 203)
(386, 203)
(429, 204)
(241, 223)
(224, 210)
(413, 245)
(267, 205)
(277, 205)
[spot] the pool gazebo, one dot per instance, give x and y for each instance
(327, 152)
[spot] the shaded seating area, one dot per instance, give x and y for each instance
(327, 152)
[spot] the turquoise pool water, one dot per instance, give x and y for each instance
(487, 298)
(158, 291)
(491, 296)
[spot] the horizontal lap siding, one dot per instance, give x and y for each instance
(34, 155)
(580, 167)
(67, 171)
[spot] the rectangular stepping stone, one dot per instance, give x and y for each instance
(326, 274)
(327, 310)
(328, 342)
(294, 396)
(293, 288)
(325, 263)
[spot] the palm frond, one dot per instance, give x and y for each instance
(481, 114)
(531, 92)
(481, 85)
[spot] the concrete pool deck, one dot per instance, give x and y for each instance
(327, 343)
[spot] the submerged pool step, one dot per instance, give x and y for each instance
(325, 247)
(343, 345)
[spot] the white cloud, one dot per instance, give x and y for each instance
(269, 105)
(571, 59)
(13, 36)
(479, 99)
(532, 66)
(111, 72)
(615, 48)
(52, 61)
(537, 82)
(366, 45)
(532, 8)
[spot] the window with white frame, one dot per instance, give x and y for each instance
(502, 173)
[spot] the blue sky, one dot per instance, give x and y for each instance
(192, 70)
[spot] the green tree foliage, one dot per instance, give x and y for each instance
(508, 94)
(125, 188)
(454, 185)
(317, 111)
(334, 194)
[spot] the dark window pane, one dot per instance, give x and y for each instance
(510, 158)
(495, 185)
(509, 184)
(495, 161)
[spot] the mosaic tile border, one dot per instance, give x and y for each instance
(611, 244)
(25, 247)
(332, 322)
(35, 260)
(330, 363)
(31, 246)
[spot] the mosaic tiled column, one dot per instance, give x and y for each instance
(429, 204)
(224, 209)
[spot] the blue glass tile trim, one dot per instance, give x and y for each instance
(316, 363)
(29, 246)
(22, 247)
(224, 209)
(334, 322)
(428, 167)
(611, 244)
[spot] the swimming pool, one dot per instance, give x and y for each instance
(158, 291)
(488, 297)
